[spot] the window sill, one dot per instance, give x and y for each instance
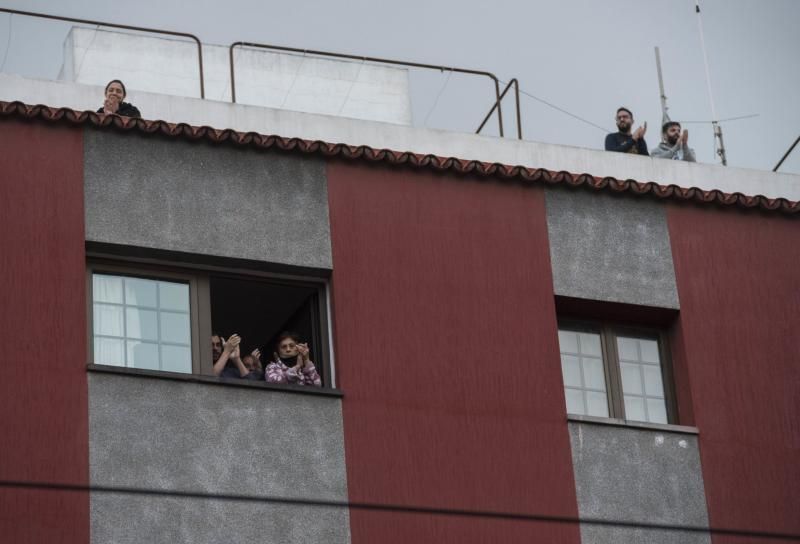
(663, 427)
(213, 380)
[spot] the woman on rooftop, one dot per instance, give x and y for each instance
(115, 94)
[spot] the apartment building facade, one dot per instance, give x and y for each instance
(508, 353)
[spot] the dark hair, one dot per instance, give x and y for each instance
(666, 126)
(121, 84)
(623, 108)
(284, 335)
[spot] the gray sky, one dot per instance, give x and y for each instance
(586, 56)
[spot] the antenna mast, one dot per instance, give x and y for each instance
(718, 143)
(664, 115)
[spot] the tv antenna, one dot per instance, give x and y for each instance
(664, 115)
(719, 143)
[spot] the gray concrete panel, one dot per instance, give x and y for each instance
(610, 248)
(173, 435)
(213, 200)
(640, 476)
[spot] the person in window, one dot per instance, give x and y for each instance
(115, 94)
(227, 360)
(253, 364)
(291, 363)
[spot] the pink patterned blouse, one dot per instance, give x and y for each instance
(277, 372)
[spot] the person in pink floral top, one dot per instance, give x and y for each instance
(291, 363)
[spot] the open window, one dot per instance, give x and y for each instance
(259, 311)
(161, 318)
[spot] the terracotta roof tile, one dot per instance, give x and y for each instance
(461, 166)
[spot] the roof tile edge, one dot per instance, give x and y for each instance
(461, 166)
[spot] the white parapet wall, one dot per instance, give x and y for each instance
(289, 81)
(330, 128)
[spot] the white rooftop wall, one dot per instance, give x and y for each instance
(222, 115)
(276, 80)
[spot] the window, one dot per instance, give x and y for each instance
(141, 323)
(161, 318)
(617, 372)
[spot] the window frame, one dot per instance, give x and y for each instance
(609, 331)
(198, 278)
(121, 269)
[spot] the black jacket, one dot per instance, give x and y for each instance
(126, 109)
(617, 141)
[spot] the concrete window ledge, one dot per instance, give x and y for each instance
(213, 380)
(662, 427)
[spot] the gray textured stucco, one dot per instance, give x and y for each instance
(173, 435)
(199, 198)
(610, 248)
(638, 475)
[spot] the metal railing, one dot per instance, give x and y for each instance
(126, 27)
(497, 106)
(498, 96)
(785, 155)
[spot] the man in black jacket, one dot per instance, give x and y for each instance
(623, 141)
(115, 93)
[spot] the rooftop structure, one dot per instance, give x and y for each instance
(515, 341)
(270, 79)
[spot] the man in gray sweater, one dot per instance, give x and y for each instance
(674, 144)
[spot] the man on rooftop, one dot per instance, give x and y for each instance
(674, 144)
(623, 141)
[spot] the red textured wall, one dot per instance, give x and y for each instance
(447, 352)
(43, 392)
(738, 278)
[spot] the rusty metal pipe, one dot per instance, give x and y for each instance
(233, 78)
(785, 155)
(519, 114)
(360, 58)
(496, 106)
(125, 27)
(498, 102)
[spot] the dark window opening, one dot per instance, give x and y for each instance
(259, 311)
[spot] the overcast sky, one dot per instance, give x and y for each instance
(585, 56)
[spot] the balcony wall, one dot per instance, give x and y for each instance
(335, 129)
(638, 476)
(153, 434)
(197, 198)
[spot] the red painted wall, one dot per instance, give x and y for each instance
(738, 278)
(43, 392)
(447, 352)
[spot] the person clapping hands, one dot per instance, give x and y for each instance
(227, 357)
(113, 103)
(291, 363)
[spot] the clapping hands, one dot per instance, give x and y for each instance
(640, 132)
(231, 346)
(111, 104)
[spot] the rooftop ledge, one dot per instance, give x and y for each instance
(466, 147)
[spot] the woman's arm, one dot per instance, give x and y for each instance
(229, 346)
(237, 360)
(308, 372)
(276, 372)
(310, 375)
